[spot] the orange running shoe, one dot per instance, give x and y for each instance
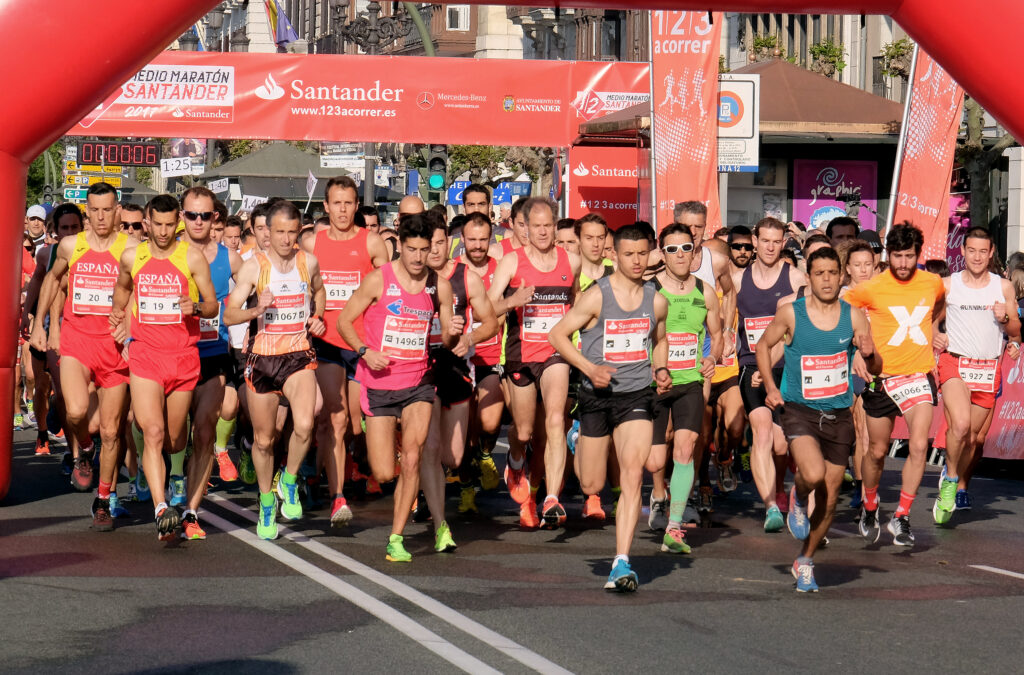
(518, 484)
(554, 514)
(228, 472)
(528, 513)
(42, 447)
(372, 486)
(191, 529)
(592, 508)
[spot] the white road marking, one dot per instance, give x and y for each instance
(385, 613)
(473, 628)
(996, 570)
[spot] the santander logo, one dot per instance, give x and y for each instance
(581, 170)
(270, 90)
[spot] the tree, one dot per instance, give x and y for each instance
(37, 174)
(480, 160)
(979, 160)
(537, 163)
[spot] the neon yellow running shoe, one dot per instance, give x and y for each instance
(396, 550)
(468, 500)
(443, 542)
(489, 478)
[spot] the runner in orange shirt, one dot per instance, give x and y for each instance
(902, 304)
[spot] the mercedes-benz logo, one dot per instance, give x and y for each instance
(425, 100)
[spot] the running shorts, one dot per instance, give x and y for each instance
(266, 374)
(173, 372)
(391, 403)
(215, 365)
(451, 377)
(754, 397)
(877, 402)
(602, 411)
(833, 430)
(328, 353)
(101, 356)
(523, 374)
(719, 388)
(685, 403)
(949, 368)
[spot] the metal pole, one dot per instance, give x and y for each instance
(421, 28)
(650, 75)
(894, 191)
(368, 178)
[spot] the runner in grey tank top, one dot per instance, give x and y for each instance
(622, 340)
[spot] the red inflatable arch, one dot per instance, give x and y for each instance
(64, 58)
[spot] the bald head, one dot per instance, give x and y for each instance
(409, 205)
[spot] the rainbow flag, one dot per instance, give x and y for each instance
(280, 26)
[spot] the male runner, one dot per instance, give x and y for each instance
(692, 304)
(758, 290)
(620, 320)
(163, 276)
(565, 235)
(535, 285)
(132, 217)
(446, 441)
(821, 333)
(519, 234)
(397, 303)
(842, 228)
(902, 304)
(371, 219)
(592, 230)
(289, 300)
(88, 352)
(347, 254)
(980, 312)
(741, 247)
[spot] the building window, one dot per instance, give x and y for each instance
(457, 17)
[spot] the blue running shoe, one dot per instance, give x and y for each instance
(622, 578)
(963, 500)
(142, 487)
(116, 510)
(773, 521)
(858, 496)
(803, 572)
(573, 436)
(177, 491)
(799, 525)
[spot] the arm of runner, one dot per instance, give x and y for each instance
(452, 327)
(376, 249)
(483, 316)
(32, 290)
(582, 314)
(200, 270)
(318, 294)
(659, 355)
(576, 264)
(1007, 309)
(122, 289)
(865, 345)
(235, 261)
(369, 291)
(503, 274)
(50, 286)
(56, 307)
(714, 323)
(777, 330)
(244, 285)
(496, 251)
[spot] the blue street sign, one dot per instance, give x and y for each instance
(413, 182)
(455, 191)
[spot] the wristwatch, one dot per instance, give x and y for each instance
(362, 351)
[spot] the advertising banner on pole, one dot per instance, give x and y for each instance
(936, 107)
(825, 189)
(603, 180)
(684, 73)
(366, 98)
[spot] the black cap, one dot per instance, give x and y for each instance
(871, 237)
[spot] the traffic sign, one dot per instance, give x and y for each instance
(94, 168)
(738, 122)
(455, 191)
(73, 194)
(91, 179)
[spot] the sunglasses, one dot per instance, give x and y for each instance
(135, 226)
(196, 215)
(672, 249)
(742, 247)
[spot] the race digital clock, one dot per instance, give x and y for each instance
(119, 153)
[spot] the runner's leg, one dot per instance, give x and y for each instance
(415, 424)
(632, 448)
(206, 406)
(554, 388)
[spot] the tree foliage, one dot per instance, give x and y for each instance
(37, 174)
(978, 159)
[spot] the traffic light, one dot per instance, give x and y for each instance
(437, 167)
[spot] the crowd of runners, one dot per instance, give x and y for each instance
(337, 351)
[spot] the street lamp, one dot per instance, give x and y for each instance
(215, 17)
(189, 41)
(240, 42)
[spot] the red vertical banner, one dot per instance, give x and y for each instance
(922, 195)
(684, 71)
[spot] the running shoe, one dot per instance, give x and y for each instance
(176, 493)
(704, 499)
(81, 475)
(116, 510)
(592, 508)
(690, 515)
(674, 541)
(746, 475)
(373, 487)
(341, 514)
(420, 510)
(773, 521)
(190, 528)
(868, 525)
(858, 495)
(528, 514)
(782, 501)
(622, 578)
(19, 422)
(443, 542)
(847, 476)
(899, 528)
(945, 503)
(312, 489)
(30, 419)
(726, 476)
(42, 446)
(132, 495)
(143, 493)
(804, 575)
(101, 520)
(518, 484)
(226, 468)
(799, 525)
(488, 472)
(167, 522)
(657, 520)
(275, 481)
(573, 436)
(67, 463)
(467, 500)
(963, 500)
(395, 551)
(291, 506)
(246, 470)
(553, 513)
(266, 523)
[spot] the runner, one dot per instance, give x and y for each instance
(290, 294)
(619, 322)
(88, 353)
(692, 304)
(591, 231)
(759, 288)
(397, 303)
(565, 236)
(980, 313)
(347, 254)
(132, 217)
(535, 285)
(163, 276)
(901, 304)
(821, 333)
(453, 377)
(519, 234)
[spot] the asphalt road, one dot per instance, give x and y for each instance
(510, 601)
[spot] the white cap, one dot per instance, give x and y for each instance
(36, 211)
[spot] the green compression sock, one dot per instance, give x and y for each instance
(178, 463)
(680, 486)
(224, 430)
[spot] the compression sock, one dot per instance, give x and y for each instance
(679, 490)
(870, 498)
(289, 478)
(905, 503)
(224, 430)
(104, 490)
(178, 463)
(516, 464)
(266, 498)
(140, 442)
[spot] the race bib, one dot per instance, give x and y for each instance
(824, 376)
(907, 391)
(683, 351)
(405, 338)
(728, 361)
(979, 374)
(755, 327)
(339, 287)
(626, 340)
(158, 303)
(287, 315)
(538, 320)
(209, 329)
(92, 294)
(435, 328)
